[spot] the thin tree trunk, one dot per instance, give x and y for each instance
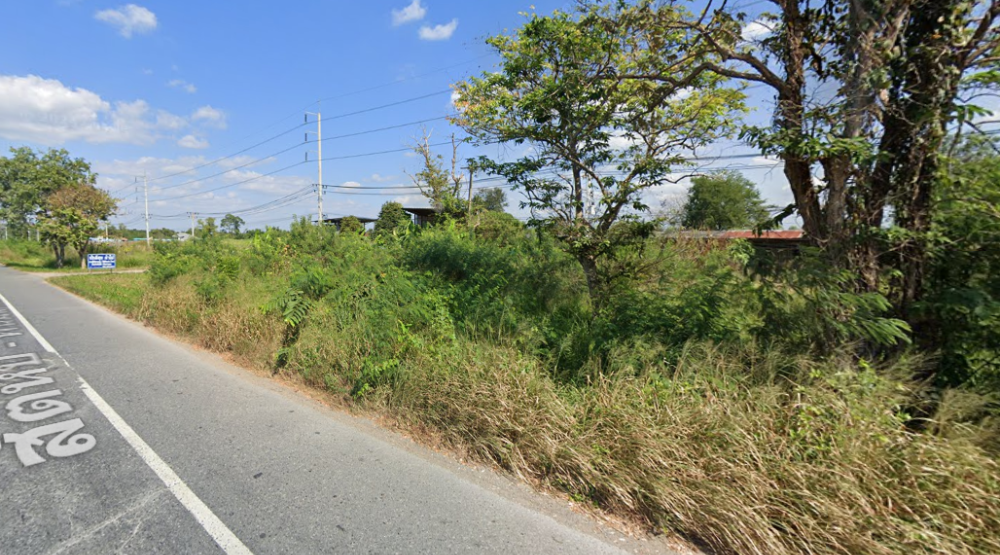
(589, 265)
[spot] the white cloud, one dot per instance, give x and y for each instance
(166, 120)
(182, 85)
(413, 12)
(129, 19)
(379, 178)
(438, 32)
(211, 116)
(757, 29)
(47, 111)
(618, 141)
(350, 184)
(190, 141)
(413, 201)
(454, 97)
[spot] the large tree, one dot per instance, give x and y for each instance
(71, 216)
(391, 218)
(723, 200)
(864, 90)
(231, 224)
(28, 177)
(591, 139)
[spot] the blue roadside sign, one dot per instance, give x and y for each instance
(101, 262)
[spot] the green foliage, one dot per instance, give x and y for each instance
(71, 216)
(491, 199)
(961, 314)
(27, 178)
(558, 90)
(716, 392)
(231, 224)
(391, 218)
(351, 224)
(721, 200)
(207, 229)
(441, 187)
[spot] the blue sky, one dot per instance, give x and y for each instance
(167, 88)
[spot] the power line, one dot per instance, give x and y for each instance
(387, 128)
(237, 183)
(276, 203)
(217, 160)
(407, 149)
(403, 80)
(390, 105)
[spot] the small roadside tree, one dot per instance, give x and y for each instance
(391, 218)
(723, 200)
(441, 187)
(207, 228)
(231, 224)
(589, 134)
(351, 224)
(491, 200)
(71, 216)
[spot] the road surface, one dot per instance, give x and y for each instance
(117, 440)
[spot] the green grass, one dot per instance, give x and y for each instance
(123, 293)
(31, 256)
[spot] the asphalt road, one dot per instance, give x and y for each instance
(117, 440)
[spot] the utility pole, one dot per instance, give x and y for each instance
(469, 169)
(319, 152)
(193, 217)
(145, 193)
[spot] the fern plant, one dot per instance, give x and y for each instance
(306, 287)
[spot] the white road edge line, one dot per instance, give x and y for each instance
(222, 535)
(31, 329)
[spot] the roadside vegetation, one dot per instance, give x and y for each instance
(707, 398)
(837, 398)
(33, 256)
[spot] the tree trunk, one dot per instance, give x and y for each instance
(589, 265)
(60, 252)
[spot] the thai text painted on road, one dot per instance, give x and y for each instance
(29, 396)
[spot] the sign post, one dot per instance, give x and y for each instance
(101, 262)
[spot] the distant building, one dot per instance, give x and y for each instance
(783, 240)
(423, 216)
(336, 221)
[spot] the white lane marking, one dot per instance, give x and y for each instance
(221, 533)
(31, 329)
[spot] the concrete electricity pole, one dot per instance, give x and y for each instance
(193, 217)
(145, 193)
(319, 152)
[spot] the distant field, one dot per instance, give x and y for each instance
(32, 256)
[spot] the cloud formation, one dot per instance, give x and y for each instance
(190, 141)
(756, 30)
(210, 116)
(129, 19)
(48, 112)
(439, 32)
(182, 85)
(413, 12)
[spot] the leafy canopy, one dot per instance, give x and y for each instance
(593, 143)
(723, 200)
